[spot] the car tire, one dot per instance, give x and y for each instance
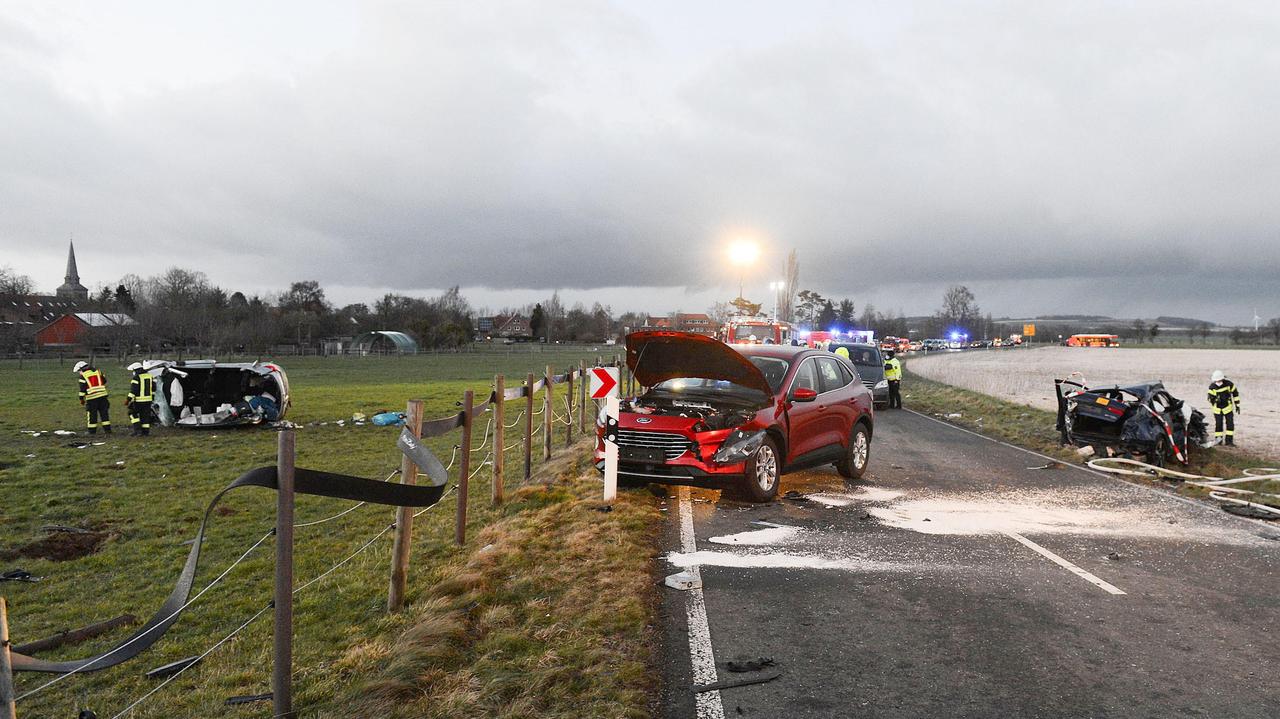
(763, 472)
(857, 455)
(1160, 455)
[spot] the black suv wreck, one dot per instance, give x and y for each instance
(1141, 419)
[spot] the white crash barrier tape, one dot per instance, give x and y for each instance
(1219, 486)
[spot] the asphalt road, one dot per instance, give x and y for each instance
(955, 581)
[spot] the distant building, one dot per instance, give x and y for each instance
(516, 327)
(71, 288)
(696, 323)
(81, 330)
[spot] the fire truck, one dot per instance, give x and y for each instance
(756, 330)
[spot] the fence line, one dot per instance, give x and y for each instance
(284, 485)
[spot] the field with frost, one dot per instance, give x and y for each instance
(1026, 376)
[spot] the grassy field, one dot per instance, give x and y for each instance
(1033, 428)
(145, 497)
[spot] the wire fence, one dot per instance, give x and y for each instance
(495, 451)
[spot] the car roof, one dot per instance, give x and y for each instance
(786, 352)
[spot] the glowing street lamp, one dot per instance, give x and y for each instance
(743, 253)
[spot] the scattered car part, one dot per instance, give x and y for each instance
(731, 683)
(72, 636)
(172, 668)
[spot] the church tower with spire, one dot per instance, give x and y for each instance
(71, 288)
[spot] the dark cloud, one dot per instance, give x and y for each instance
(578, 145)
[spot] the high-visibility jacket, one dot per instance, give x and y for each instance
(92, 384)
(843, 352)
(1224, 398)
(142, 388)
(893, 369)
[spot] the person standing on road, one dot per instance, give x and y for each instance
(1224, 398)
(93, 396)
(893, 374)
(142, 389)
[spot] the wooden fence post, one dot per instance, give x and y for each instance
(404, 516)
(528, 427)
(7, 709)
(582, 396)
(548, 414)
(568, 411)
(282, 632)
(499, 435)
(468, 399)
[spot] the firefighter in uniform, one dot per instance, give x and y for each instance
(1224, 398)
(893, 374)
(93, 395)
(142, 389)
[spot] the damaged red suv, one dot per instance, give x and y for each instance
(737, 416)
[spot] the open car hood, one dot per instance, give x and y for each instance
(658, 356)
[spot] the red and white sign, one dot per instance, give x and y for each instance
(604, 382)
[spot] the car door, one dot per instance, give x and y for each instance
(835, 404)
(804, 419)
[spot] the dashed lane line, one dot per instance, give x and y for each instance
(1090, 578)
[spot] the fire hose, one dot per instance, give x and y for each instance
(1219, 487)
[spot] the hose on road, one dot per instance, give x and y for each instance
(1219, 487)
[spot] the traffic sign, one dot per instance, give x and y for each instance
(604, 382)
(1029, 330)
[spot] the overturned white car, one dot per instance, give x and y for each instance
(206, 394)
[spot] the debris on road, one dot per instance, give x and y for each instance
(1050, 465)
(749, 664)
(731, 683)
(683, 581)
(776, 534)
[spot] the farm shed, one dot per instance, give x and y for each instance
(384, 342)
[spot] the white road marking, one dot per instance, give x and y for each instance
(702, 656)
(1109, 588)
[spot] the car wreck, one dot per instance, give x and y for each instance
(737, 416)
(1135, 420)
(206, 394)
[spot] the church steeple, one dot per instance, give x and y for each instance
(71, 288)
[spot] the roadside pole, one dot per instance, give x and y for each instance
(611, 449)
(548, 413)
(568, 411)
(404, 516)
(582, 396)
(282, 631)
(528, 427)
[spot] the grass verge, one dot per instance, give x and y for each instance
(548, 615)
(1033, 429)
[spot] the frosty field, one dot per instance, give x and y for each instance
(1026, 376)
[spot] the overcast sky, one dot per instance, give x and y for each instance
(1115, 158)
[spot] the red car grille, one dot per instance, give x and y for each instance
(672, 444)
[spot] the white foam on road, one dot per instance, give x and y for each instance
(772, 535)
(702, 655)
(1065, 511)
(861, 494)
(787, 561)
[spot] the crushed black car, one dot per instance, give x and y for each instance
(1135, 420)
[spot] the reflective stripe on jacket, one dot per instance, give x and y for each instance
(142, 388)
(92, 384)
(1224, 398)
(893, 369)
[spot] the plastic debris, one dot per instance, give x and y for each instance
(683, 581)
(18, 575)
(731, 683)
(64, 433)
(358, 417)
(750, 664)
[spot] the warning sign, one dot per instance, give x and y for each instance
(604, 382)
(1028, 330)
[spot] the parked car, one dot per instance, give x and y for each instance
(869, 363)
(1141, 419)
(207, 394)
(737, 416)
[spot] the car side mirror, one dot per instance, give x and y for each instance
(803, 394)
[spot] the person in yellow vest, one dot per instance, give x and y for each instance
(843, 352)
(893, 374)
(1224, 398)
(142, 389)
(93, 395)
